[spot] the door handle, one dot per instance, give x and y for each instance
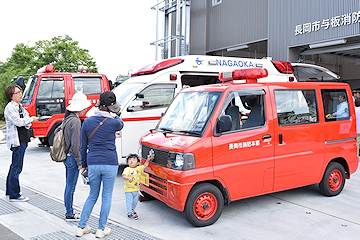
(266, 136)
(280, 138)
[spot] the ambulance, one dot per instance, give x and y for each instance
(147, 94)
(206, 152)
(48, 92)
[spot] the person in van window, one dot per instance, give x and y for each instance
(18, 123)
(99, 157)
(78, 105)
(256, 117)
(342, 109)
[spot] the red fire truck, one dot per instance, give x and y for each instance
(48, 92)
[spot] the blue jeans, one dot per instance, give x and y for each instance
(97, 174)
(12, 180)
(72, 174)
(131, 200)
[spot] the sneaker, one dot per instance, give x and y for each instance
(73, 218)
(135, 214)
(102, 233)
(132, 216)
(19, 199)
(81, 231)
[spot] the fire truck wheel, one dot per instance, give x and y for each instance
(333, 180)
(44, 141)
(204, 205)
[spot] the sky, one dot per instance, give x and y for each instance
(117, 33)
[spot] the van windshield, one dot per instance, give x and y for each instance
(189, 113)
(126, 89)
(29, 90)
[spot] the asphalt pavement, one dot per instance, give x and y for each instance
(301, 213)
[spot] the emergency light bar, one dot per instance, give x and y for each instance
(283, 67)
(250, 74)
(45, 69)
(82, 69)
(155, 67)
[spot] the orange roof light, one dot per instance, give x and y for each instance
(45, 69)
(250, 74)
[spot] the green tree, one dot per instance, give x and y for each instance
(62, 52)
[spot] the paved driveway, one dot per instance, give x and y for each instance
(302, 213)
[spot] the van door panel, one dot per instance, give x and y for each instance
(299, 144)
(243, 158)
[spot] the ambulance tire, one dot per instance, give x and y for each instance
(333, 180)
(204, 205)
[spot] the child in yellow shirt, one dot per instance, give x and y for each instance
(131, 175)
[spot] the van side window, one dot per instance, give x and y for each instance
(87, 85)
(246, 109)
(336, 104)
(155, 96)
(51, 89)
(50, 98)
(296, 106)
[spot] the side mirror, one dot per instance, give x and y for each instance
(111, 85)
(139, 95)
(135, 106)
(224, 124)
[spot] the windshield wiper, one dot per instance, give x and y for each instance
(190, 132)
(166, 130)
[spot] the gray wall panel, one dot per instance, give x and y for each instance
(299, 12)
(198, 27)
(234, 22)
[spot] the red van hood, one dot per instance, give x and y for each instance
(169, 141)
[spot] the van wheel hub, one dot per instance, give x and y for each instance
(205, 206)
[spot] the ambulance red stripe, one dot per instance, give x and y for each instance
(140, 119)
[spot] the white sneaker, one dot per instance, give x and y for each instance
(102, 233)
(81, 231)
(19, 199)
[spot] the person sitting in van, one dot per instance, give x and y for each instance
(342, 109)
(256, 117)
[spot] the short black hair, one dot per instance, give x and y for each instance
(130, 155)
(9, 91)
(356, 91)
(357, 102)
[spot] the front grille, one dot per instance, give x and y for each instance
(158, 184)
(161, 156)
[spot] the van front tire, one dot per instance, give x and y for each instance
(204, 205)
(333, 180)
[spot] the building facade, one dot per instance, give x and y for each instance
(321, 32)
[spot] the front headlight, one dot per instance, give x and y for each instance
(140, 149)
(181, 161)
